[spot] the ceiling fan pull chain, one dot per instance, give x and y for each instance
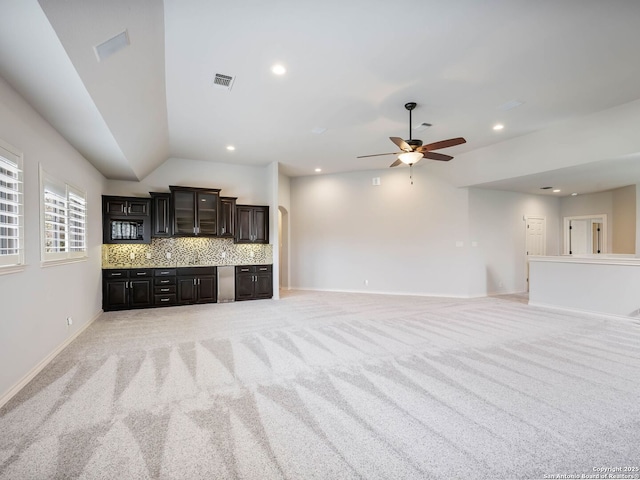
(411, 173)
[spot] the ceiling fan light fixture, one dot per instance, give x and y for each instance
(410, 158)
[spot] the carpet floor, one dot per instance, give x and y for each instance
(333, 386)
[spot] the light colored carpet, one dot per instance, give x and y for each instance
(332, 386)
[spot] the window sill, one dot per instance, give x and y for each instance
(62, 261)
(12, 269)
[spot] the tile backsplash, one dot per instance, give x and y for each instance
(184, 251)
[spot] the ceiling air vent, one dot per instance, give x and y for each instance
(111, 46)
(223, 81)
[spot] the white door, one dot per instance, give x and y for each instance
(536, 240)
(580, 237)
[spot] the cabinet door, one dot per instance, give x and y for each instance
(114, 206)
(140, 293)
(187, 290)
(207, 291)
(115, 295)
(207, 214)
(160, 215)
(261, 225)
(138, 207)
(227, 217)
(264, 281)
(244, 284)
(184, 212)
(244, 223)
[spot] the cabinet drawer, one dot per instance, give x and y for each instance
(188, 271)
(115, 273)
(163, 290)
(244, 269)
(164, 272)
(140, 272)
(169, 299)
(164, 281)
(263, 268)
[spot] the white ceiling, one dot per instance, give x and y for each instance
(351, 67)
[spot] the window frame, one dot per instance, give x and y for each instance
(12, 159)
(65, 197)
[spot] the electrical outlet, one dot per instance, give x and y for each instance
(132, 256)
(168, 255)
(223, 254)
(148, 255)
(251, 254)
(69, 321)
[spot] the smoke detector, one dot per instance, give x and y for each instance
(223, 81)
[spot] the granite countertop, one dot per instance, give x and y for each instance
(114, 266)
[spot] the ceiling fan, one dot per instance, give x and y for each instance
(412, 150)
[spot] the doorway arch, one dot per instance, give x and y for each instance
(283, 246)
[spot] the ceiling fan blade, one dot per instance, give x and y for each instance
(379, 154)
(404, 146)
(442, 144)
(437, 156)
(396, 163)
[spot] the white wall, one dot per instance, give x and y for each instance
(36, 302)
(252, 185)
(400, 237)
(496, 224)
(624, 220)
(284, 206)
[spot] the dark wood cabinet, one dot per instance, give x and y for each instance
(252, 224)
(164, 287)
(254, 282)
(127, 288)
(195, 211)
(227, 217)
(126, 220)
(196, 285)
(161, 220)
(125, 205)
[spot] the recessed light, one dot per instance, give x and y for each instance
(318, 170)
(574, 194)
(557, 190)
(231, 148)
(278, 69)
(318, 130)
(499, 126)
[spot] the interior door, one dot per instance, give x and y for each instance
(536, 240)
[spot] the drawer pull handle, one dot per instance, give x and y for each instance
(116, 274)
(164, 299)
(164, 289)
(164, 281)
(164, 273)
(141, 273)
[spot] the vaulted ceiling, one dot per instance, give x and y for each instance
(351, 67)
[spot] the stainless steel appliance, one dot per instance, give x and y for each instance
(226, 284)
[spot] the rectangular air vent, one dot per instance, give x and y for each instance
(223, 81)
(111, 46)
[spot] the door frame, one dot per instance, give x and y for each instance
(526, 243)
(565, 230)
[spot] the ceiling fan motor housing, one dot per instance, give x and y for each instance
(414, 143)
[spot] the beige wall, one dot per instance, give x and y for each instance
(624, 219)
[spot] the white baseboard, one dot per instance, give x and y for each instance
(43, 363)
(377, 292)
(612, 316)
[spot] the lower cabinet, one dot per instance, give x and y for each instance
(127, 288)
(254, 282)
(196, 285)
(164, 287)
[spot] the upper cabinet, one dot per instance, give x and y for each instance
(125, 206)
(161, 225)
(227, 217)
(252, 224)
(126, 220)
(195, 211)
